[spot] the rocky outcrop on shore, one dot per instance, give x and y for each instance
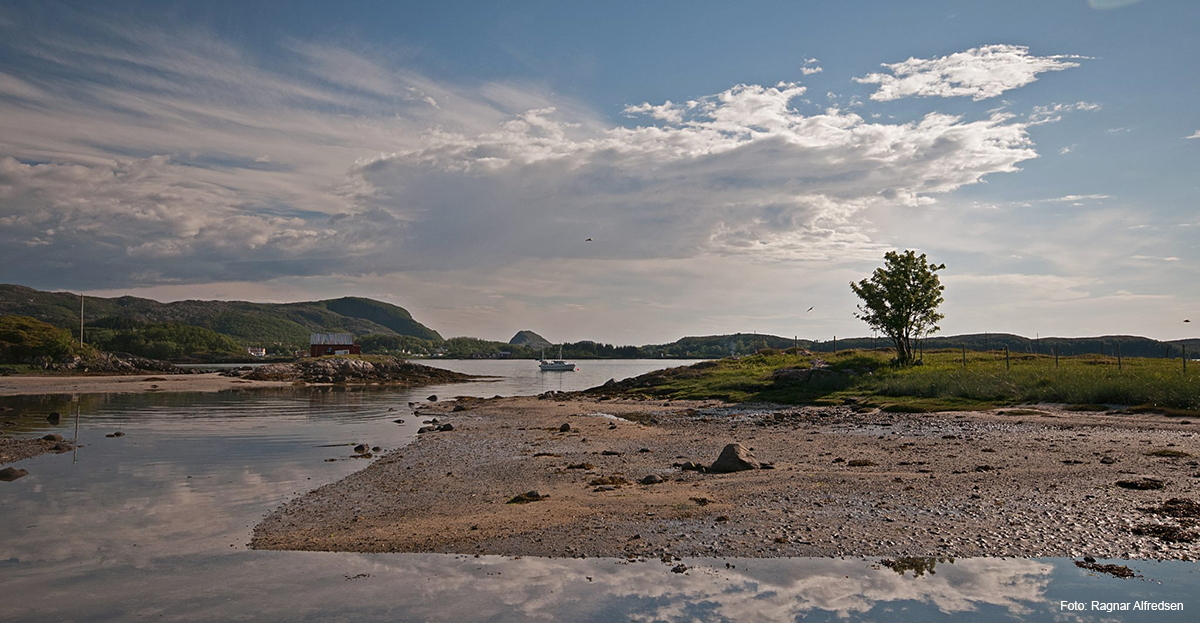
(110, 363)
(388, 370)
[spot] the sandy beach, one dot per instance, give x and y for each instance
(24, 385)
(1009, 482)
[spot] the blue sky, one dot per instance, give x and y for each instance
(734, 164)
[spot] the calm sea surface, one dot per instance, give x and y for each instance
(153, 525)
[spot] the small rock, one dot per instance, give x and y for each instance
(458, 408)
(652, 479)
(54, 418)
(427, 429)
(565, 428)
(375, 449)
(734, 458)
(362, 448)
(446, 427)
(1145, 484)
(610, 453)
(679, 568)
(398, 421)
(1108, 460)
(528, 496)
(432, 398)
(53, 437)
(9, 474)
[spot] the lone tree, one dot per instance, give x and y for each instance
(900, 300)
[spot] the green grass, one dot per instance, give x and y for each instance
(1093, 382)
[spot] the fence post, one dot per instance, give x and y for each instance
(1118, 356)
(835, 344)
(1184, 358)
(1007, 365)
(964, 356)
(1056, 355)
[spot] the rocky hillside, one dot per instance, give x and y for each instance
(529, 339)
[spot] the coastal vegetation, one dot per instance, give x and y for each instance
(901, 299)
(166, 340)
(23, 339)
(193, 330)
(946, 380)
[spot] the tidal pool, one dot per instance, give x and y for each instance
(154, 525)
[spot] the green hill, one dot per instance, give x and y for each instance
(285, 325)
(395, 318)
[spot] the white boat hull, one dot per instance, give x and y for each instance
(556, 366)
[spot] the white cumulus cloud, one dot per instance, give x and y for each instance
(978, 73)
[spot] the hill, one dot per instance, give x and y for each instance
(529, 339)
(285, 325)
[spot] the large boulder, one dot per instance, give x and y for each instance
(734, 458)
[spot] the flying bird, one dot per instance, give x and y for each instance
(809, 309)
(1186, 320)
(588, 240)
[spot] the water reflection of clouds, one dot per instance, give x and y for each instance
(444, 587)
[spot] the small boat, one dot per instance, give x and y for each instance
(558, 365)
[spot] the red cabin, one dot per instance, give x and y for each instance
(322, 344)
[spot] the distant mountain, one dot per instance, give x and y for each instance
(246, 323)
(529, 339)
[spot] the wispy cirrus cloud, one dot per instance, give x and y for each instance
(979, 73)
(1193, 135)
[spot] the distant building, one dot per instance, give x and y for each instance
(321, 344)
(257, 351)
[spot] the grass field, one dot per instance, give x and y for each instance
(1092, 382)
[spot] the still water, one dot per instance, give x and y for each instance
(153, 525)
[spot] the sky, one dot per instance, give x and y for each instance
(625, 172)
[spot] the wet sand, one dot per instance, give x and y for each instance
(24, 385)
(880, 484)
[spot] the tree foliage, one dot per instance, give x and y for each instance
(900, 300)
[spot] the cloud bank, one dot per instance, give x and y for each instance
(145, 158)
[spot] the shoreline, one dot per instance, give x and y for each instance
(26, 385)
(1007, 482)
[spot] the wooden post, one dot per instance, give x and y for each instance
(1118, 356)
(1056, 355)
(80, 320)
(1184, 358)
(835, 344)
(964, 356)
(1007, 365)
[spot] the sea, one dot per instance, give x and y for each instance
(154, 525)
